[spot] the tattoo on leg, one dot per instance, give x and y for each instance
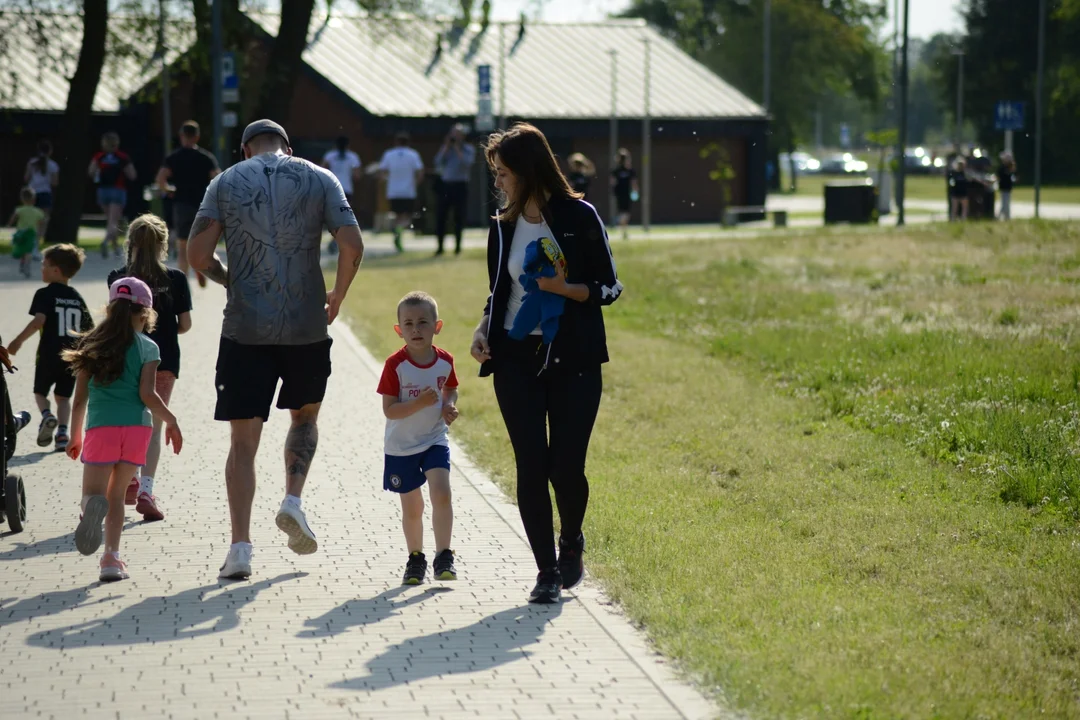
(300, 446)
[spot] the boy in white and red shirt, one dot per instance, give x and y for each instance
(419, 390)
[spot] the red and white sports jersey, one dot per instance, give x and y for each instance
(405, 380)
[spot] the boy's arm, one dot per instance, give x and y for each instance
(14, 219)
(449, 396)
(395, 409)
(32, 327)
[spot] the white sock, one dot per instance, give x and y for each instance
(146, 485)
(241, 546)
(293, 500)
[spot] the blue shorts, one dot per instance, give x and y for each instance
(405, 473)
(111, 196)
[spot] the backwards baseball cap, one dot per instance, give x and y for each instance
(262, 127)
(132, 289)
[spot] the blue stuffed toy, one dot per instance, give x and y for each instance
(539, 307)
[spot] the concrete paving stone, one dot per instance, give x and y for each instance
(330, 635)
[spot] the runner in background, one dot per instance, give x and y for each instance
(625, 187)
(582, 172)
(345, 164)
(111, 170)
(403, 170)
(184, 176)
(42, 175)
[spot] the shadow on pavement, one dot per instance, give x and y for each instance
(496, 640)
(181, 616)
(47, 604)
(358, 613)
(48, 546)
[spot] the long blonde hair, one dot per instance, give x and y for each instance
(147, 247)
(100, 353)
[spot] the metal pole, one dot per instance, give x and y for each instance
(166, 84)
(1039, 104)
(215, 62)
(613, 133)
(896, 61)
(646, 145)
(767, 60)
(502, 76)
(959, 99)
(901, 144)
(1008, 141)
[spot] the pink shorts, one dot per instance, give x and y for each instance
(163, 383)
(116, 444)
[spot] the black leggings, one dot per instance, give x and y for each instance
(564, 403)
(452, 195)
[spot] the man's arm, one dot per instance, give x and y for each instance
(350, 255)
(202, 244)
(162, 179)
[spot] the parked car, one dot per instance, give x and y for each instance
(843, 164)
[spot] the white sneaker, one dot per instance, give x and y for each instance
(291, 520)
(238, 564)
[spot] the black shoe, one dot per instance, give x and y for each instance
(443, 565)
(571, 564)
(438, 252)
(415, 569)
(547, 587)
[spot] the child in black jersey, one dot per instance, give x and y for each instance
(60, 316)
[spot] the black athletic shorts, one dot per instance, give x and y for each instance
(402, 205)
(622, 203)
(247, 378)
(50, 372)
(183, 218)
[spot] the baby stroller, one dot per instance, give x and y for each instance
(12, 491)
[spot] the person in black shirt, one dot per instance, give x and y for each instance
(147, 247)
(191, 168)
(60, 315)
(625, 186)
(958, 190)
(582, 172)
(1006, 176)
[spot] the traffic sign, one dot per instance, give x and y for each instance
(229, 119)
(229, 78)
(483, 76)
(230, 95)
(1009, 115)
(485, 120)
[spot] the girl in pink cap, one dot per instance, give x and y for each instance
(115, 366)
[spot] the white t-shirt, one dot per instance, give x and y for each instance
(401, 163)
(342, 167)
(524, 233)
(39, 182)
(405, 380)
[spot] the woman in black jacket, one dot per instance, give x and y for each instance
(540, 386)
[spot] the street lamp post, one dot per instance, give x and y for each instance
(767, 59)
(646, 143)
(215, 74)
(1039, 103)
(901, 144)
(959, 130)
(613, 133)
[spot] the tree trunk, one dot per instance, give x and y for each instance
(67, 208)
(284, 62)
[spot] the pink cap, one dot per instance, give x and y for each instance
(132, 289)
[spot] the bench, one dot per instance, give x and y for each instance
(748, 213)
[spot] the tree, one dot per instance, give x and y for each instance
(818, 45)
(67, 206)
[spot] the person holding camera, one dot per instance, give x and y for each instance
(454, 162)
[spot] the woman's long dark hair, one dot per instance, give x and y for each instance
(44, 149)
(524, 151)
(100, 353)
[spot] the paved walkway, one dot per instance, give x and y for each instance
(331, 635)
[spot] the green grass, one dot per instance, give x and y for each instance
(932, 187)
(87, 244)
(834, 473)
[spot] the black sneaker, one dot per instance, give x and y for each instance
(61, 438)
(547, 587)
(571, 564)
(415, 569)
(443, 565)
(22, 419)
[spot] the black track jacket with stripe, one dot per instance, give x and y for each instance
(581, 341)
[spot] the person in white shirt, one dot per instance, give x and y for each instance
(345, 164)
(42, 175)
(402, 169)
(419, 392)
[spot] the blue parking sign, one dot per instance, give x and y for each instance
(1009, 115)
(483, 76)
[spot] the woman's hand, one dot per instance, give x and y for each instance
(556, 285)
(479, 348)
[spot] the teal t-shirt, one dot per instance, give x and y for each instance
(118, 404)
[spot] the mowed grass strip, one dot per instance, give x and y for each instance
(797, 560)
(932, 187)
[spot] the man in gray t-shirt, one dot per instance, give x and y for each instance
(271, 209)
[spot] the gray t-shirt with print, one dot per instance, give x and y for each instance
(273, 208)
